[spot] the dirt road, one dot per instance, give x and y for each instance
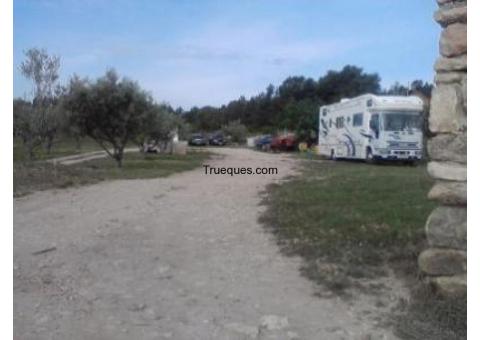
(83, 157)
(181, 257)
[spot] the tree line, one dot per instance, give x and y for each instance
(294, 104)
(115, 111)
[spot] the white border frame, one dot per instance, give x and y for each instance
(473, 142)
(6, 150)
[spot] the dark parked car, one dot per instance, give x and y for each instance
(263, 142)
(217, 139)
(197, 139)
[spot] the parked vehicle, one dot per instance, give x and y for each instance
(372, 128)
(217, 139)
(197, 139)
(151, 148)
(263, 142)
(286, 142)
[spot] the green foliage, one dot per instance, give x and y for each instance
(300, 117)
(27, 125)
(207, 118)
(416, 87)
(42, 70)
(398, 89)
(158, 126)
(237, 131)
(292, 106)
(351, 81)
(110, 111)
(38, 121)
(184, 129)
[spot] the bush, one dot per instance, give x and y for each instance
(237, 131)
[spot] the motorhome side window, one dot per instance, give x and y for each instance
(339, 122)
(358, 119)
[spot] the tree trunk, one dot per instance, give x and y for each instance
(78, 145)
(29, 146)
(118, 156)
(49, 144)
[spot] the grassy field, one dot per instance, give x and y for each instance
(63, 147)
(28, 177)
(350, 213)
(352, 222)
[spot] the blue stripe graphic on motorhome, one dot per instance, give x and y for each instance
(348, 148)
(325, 132)
(352, 144)
(350, 139)
(362, 132)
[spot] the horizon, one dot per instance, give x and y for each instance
(230, 50)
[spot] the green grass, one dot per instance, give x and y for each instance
(353, 223)
(351, 211)
(29, 177)
(62, 147)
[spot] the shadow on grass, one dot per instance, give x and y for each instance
(429, 316)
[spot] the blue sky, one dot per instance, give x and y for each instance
(209, 52)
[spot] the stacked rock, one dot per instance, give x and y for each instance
(445, 261)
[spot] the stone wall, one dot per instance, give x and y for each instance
(445, 261)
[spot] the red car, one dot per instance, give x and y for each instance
(284, 143)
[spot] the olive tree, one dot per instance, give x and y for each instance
(27, 126)
(162, 125)
(109, 110)
(38, 122)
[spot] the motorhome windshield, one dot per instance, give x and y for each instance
(399, 121)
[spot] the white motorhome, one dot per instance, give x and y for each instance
(372, 127)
